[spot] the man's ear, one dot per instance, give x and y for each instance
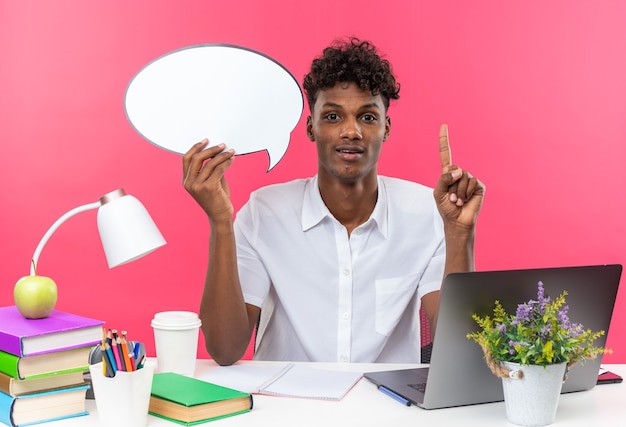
(309, 129)
(387, 128)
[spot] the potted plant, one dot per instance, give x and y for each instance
(531, 351)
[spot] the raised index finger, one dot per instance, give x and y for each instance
(444, 147)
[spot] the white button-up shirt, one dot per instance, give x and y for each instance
(328, 296)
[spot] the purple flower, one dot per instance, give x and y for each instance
(574, 330)
(523, 313)
(564, 322)
(545, 331)
(540, 291)
(541, 299)
(511, 347)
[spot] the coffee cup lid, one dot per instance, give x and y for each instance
(174, 320)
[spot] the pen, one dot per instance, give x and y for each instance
(136, 350)
(142, 360)
(394, 395)
(139, 353)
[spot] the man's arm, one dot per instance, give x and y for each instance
(459, 197)
(459, 257)
(227, 322)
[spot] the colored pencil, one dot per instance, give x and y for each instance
(116, 351)
(127, 361)
(111, 357)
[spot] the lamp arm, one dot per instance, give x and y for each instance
(54, 227)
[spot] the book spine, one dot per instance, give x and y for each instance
(71, 347)
(6, 409)
(56, 391)
(10, 343)
(63, 371)
(9, 364)
(5, 384)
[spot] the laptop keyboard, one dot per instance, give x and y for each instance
(421, 387)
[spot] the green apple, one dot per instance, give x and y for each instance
(35, 296)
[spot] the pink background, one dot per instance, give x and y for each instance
(533, 92)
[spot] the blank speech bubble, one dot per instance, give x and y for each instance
(228, 94)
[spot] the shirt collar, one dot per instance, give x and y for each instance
(314, 210)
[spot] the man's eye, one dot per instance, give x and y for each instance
(369, 117)
(332, 116)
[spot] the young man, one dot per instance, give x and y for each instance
(334, 266)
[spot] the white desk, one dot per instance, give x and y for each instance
(364, 405)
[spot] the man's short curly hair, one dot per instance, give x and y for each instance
(351, 61)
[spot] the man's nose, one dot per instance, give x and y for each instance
(351, 130)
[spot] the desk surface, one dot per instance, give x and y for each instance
(364, 405)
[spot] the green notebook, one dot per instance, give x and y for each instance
(191, 401)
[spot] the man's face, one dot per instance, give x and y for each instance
(349, 126)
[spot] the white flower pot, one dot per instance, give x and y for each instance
(533, 399)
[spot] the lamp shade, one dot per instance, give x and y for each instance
(126, 228)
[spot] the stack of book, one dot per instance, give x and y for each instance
(42, 362)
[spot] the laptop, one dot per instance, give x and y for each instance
(458, 374)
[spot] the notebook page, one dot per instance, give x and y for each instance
(312, 383)
(244, 378)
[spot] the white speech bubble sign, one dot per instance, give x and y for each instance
(228, 94)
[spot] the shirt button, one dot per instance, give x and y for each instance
(346, 315)
(344, 359)
(359, 231)
(345, 272)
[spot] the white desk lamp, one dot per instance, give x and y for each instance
(127, 232)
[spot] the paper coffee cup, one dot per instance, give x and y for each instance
(176, 339)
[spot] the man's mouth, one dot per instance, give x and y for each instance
(350, 154)
(350, 150)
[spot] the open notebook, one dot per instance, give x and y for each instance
(287, 380)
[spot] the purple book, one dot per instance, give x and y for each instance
(59, 331)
